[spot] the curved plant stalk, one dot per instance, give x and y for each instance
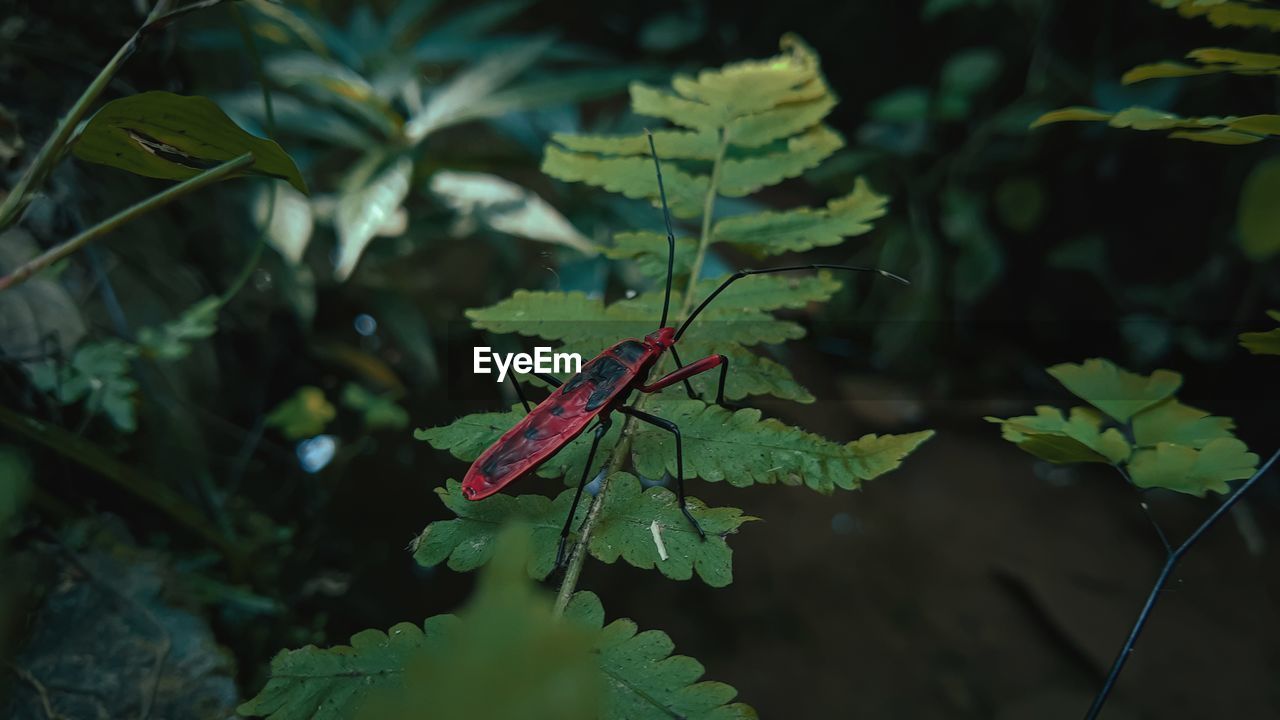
(1174, 555)
(20, 194)
(54, 254)
(623, 449)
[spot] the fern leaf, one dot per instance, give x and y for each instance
(770, 233)
(649, 251)
(469, 541)
(1230, 130)
(549, 671)
(651, 101)
(588, 327)
(1224, 13)
(630, 176)
(643, 679)
(623, 530)
(675, 144)
(1211, 61)
(771, 292)
(749, 373)
(1050, 436)
(762, 128)
(742, 449)
(331, 684)
(743, 177)
(1263, 342)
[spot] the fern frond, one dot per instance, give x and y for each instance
(643, 679)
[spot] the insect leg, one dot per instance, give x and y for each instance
(551, 380)
(688, 388)
(601, 429)
(674, 430)
(520, 394)
(701, 366)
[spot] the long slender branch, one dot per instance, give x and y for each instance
(623, 449)
(1163, 579)
(54, 254)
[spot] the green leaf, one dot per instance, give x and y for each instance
(1188, 470)
(1263, 343)
(643, 679)
(175, 137)
(590, 327)
(469, 541)
(1050, 436)
(749, 373)
(1259, 215)
(630, 519)
(649, 251)
(488, 200)
(670, 144)
(172, 340)
(304, 414)
(739, 178)
(333, 83)
(622, 530)
(1114, 390)
(1172, 422)
(1229, 130)
(99, 374)
(771, 233)
(1211, 61)
(368, 211)
(1224, 13)
(742, 449)
(633, 177)
(549, 671)
(289, 220)
(379, 412)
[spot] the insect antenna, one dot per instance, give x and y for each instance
(744, 273)
(671, 238)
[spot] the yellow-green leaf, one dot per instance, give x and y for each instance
(303, 414)
(631, 176)
(670, 144)
(1258, 217)
(1172, 422)
(1114, 390)
(742, 177)
(1263, 343)
(1050, 436)
(770, 233)
(1188, 470)
(174, 137)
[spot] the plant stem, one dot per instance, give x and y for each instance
(708, 209)
(623, 449)
(1171, 562)
(54, 254)
(20, 194)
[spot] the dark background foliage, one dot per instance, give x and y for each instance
(974, 582)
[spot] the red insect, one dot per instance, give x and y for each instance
(602, 387)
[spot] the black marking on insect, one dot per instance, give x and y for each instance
(629, 350)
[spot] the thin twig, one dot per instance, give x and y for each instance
(54, 254)
(1146, 510)
(1165, 573)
